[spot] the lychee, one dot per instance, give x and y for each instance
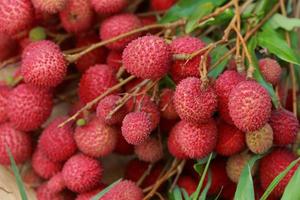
(43, 193)
(82, 173)
(49, 6)
(58, 142)
(187, 183)
(260, 141)
(285, 126)
(270, 70)
(147, 57)
(150, 150)
(109, 7)
(43, 64)
(230, 139)
(4, 93)
(166, 104)
(96, 138)
(56, 183)
(122, 146)
(117, 25)
(17, 142)
(249, 106)
(8, 47)
(174, 144)
(28, 107)
(89, 195)
(194, 103)
(182, 69)
(272, 165)
(136, 127)
(114, 59)
(159, 5)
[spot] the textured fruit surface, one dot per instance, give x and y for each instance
(77, 16)
(187, 183)
(56, 183)
(122, 146)
(43, 193)
(272, 165)
(197, 140)
(114, 60)
(96, 138)
(285, 126)
(8, 46)
(182, 69)
(82, 173)
(249, 106)
(4, 93)
(230, 139)
(49, 6)
(106, 106)
(174, 144)
(270, 69)
(19, 144)
(193, 103)
(162, 4)
(96, 80)
(58, 142)
(136, 127)
(43, 64)
(150, 150)
(124, 190)
(15, 16)
(90, 194)
(29, 107)
(117, 25)
(260, 141)
(166, 104)
(147, 57)
(108, 7)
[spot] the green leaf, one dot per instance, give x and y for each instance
(177, 193)
(221, 19)
(218, 52)
(199, 166)
(263, 7)
(280, 21)
(292, 189)
(103, 192)
(277, 179)
(17, 175)
(206, 188)
(166, 82)
(245, 190)
(185, 194)
(37, 33)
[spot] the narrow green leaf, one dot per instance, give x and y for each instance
(280, 21)
(206, 188)
(15, 169)
(277, 179)
(177, 193)
(185, 194)
(292, 189)
(218, 52)
(103, 192)
(263, 6)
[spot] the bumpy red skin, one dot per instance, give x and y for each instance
(197, 140)
(19, 144)
(270, 69)
(273, 164)
(193, 103)
(223, 86)
(77, 16)
(136, 127)
(15, 16)
(109, 7)
(182, 69)
(90, 194)
(174, 144)
(49, 6)
(231, 140)
(43, 64)
(114, 60)
(96, 80)
(117, 25)
(43, 193)
(56, 183)
(58, 143)
(28, 107)
(124, 190)
(82, 173)
(166, 104)
(122, 147)
(43, 166)
(159, 5)
(96, 138)
(8, 47)
(187, 183)
(108, 104)
(97, 56)
(4, 93)
(285, 126)
(147, 57)
(150, 150)
(249, 106)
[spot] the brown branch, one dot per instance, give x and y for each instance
(179, 171)
(145, 174)
(9, 61)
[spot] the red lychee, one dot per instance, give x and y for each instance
(147, 57)
(270, 69)
(174, 144)
(96, 138)
(18, 143)
(58, 142)
(150, 150)
(122, 146)
(82, 173)
(4, 93)
(159, 5)
(272, 165)
(8, 47)
(43, 64)
(230, 139)
(117, 25)
(114, 60)
(28, 107)
(194, 103)
(15, 16)
(187, 183)
(109, 7)
(56, 183)
(49, 6)
(249, 106)
(285, 126)
(166, 104)
(136, 127)
(43, 193)
(89, 195)
(96, 80)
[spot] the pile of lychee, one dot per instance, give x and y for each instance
(146, 122)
